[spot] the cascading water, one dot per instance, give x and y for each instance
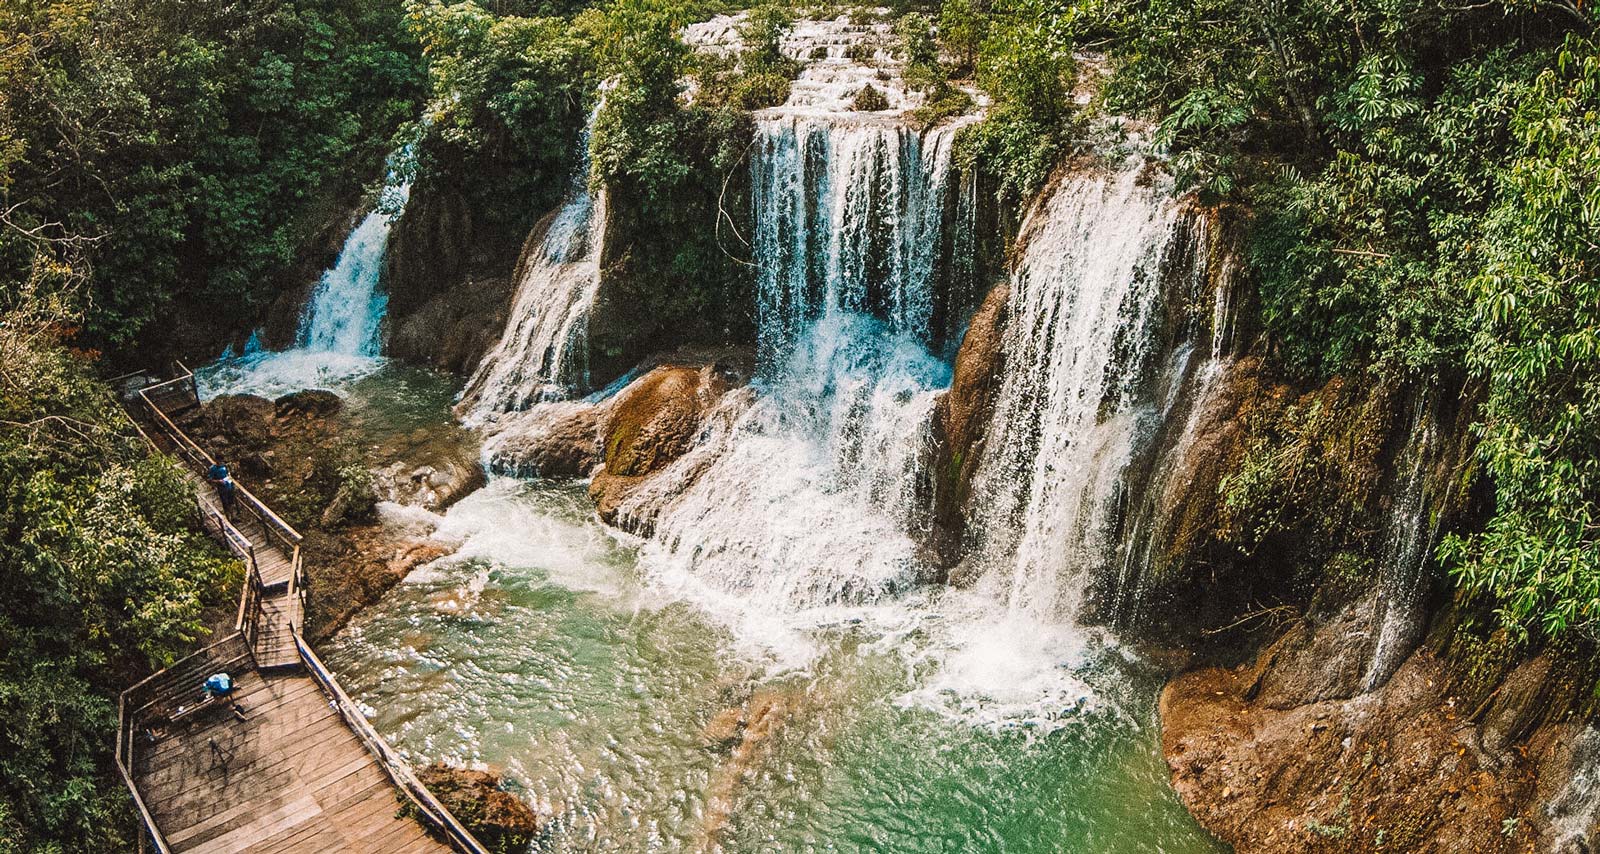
(798, 505)
(851, 216)
(340, 332)
(790, 524)
(1075, 404)
(1409, 538)
(1193, 379)
(541, 355)
(345, 314)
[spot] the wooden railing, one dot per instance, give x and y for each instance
(250, 608)
(277, 531)
(398, 770)
(135, 704)
(136, 701)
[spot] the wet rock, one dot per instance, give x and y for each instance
(315, 403)
(478, 799)
(1519, 704)
(651, 423)
(1312, 663)
(232, 419)
(724, 729)
(961, 417)
(433, 486)
(454, 328)
(550, 440)
(1396, 769)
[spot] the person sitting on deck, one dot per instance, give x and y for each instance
(217, 684)
(219, 477)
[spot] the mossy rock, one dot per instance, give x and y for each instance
(869, 100)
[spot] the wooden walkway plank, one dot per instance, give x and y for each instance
(292, 775)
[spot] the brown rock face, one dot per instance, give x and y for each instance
(455, 327)
(297, 455)
(494, 816)
(653, 422)
(1285, 756)
(961, 418)
(449, 277)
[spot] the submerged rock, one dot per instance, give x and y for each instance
(479, 800)
(313, 403)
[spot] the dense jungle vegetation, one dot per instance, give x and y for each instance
(1424, 179)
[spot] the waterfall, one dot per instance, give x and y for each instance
(798, 505)
(340, 334)
(1183, 406)
(542, 354)
(1409, 537)
(1076, 403)
(345, 312)
(1574, 811)
(849, 215)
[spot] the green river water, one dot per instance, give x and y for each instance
(545, 649)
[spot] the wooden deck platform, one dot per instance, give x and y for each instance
(290, 776)
(287, 762)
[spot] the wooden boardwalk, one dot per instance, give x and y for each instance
(288, 763)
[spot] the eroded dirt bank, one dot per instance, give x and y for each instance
(1287, 754)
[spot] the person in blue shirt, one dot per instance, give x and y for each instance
(226, 489)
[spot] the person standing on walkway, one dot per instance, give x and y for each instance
(226, 488)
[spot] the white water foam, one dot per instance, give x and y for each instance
(340, 332)
(796, 513)
(542, 354)
(1069, 416)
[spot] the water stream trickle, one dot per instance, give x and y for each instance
(1409, 537)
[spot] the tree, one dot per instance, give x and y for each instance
(1538, 343)
(102, 578)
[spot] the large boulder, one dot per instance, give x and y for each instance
(453, 328)
(560, 439)
(478, 799)
(653, 422)
(449, 274)
(311, 403)
(1316, 662)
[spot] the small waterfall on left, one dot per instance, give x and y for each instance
(340, 335)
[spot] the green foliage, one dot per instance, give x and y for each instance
(636, 135)
(1025, 64)
(962, 30)
(1364, 264)
(762, 33)
(919, 52)
(869, 100)
(509, 95)
(101, 579)
(665, 163)
(192, 146)
(1422, 181)
(1537, 301)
